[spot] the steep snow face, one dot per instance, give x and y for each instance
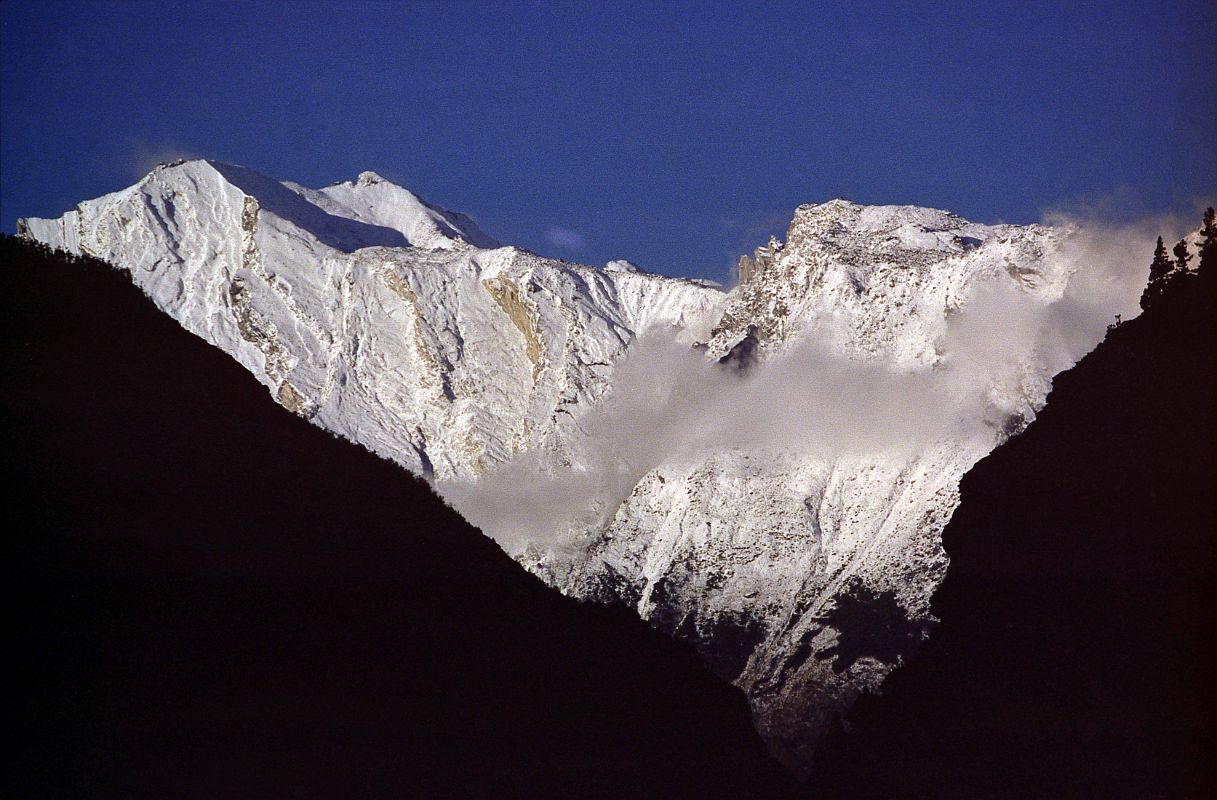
(373, 200)
(442, 355)
(797, 553)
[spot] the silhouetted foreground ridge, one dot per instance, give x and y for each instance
(1076, 655)
(216, 599)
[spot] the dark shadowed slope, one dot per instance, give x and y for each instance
(215, 599)
(1076, 655)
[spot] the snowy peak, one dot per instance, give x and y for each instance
(369, 211)
(884, 230)
(330, 224)
(864, 235)
(882, 280)
(375, 200)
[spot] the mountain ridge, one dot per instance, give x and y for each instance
(734, 513)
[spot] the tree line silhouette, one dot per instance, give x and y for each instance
(1163, 271)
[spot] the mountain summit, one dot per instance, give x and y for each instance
(784, 518)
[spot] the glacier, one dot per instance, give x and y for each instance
(764, 472)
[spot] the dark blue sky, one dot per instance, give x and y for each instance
(674, 135)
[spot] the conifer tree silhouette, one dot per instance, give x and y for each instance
(1159, 269)
(1208, 240)
(1182, 256)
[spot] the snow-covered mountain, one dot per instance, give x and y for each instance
(763, 472)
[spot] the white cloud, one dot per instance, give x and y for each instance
(565, 238)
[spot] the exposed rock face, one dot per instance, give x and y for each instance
(804, 578)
